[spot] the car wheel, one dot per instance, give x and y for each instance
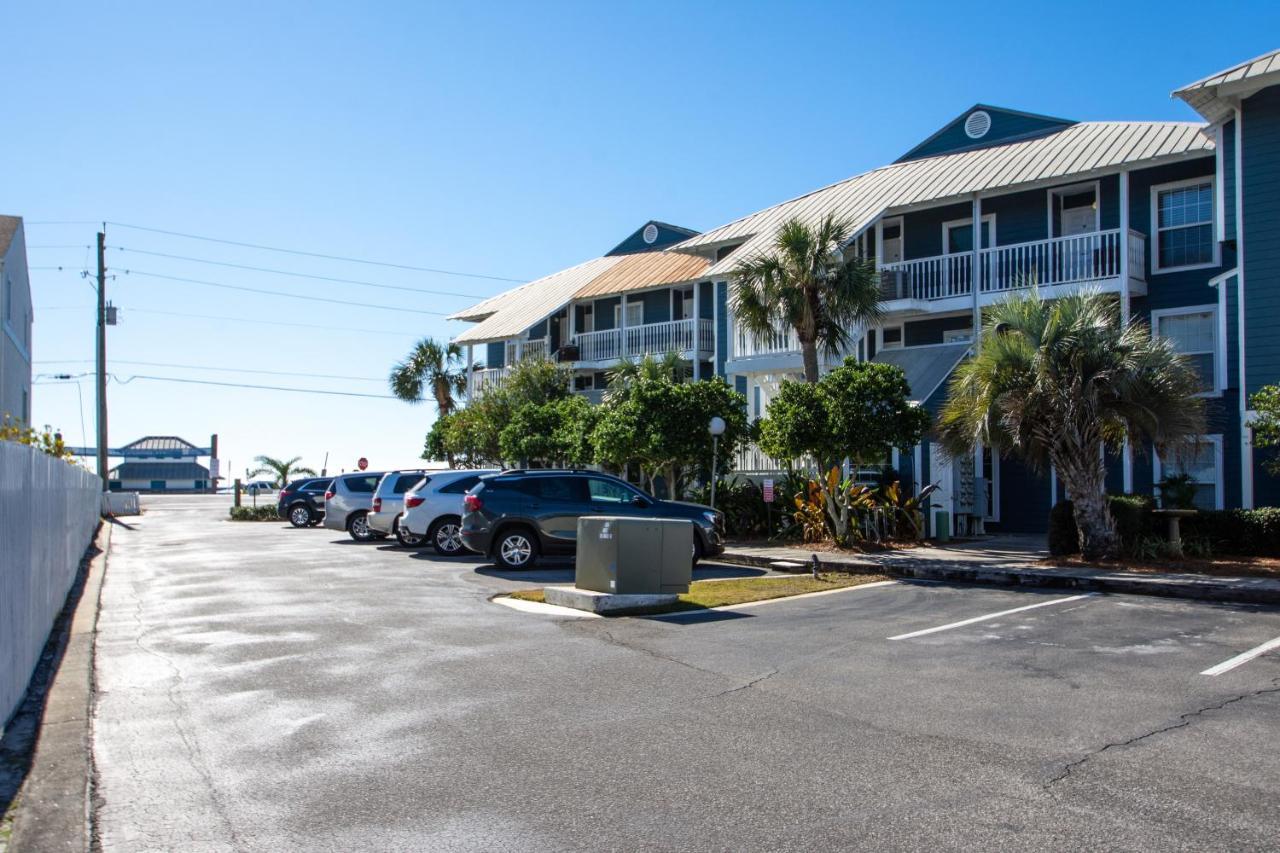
(358, 527)
(407, 539)
(300, 515)
(446, 536)
(517, 548)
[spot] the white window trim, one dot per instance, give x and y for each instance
(1156, 189)
(1219, 341)
(902, 335)
(1219, 502)
(617, 313)
(989, 218)
(1073, 189)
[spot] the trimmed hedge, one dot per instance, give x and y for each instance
(254, 513)
(1245, 532)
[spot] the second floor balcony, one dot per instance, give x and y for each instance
(687, 338)
(930, 284)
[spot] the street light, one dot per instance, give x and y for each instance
(716, 428)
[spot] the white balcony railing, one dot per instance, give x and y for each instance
(1077, 259)
(745, 344)
(650, 339)
(491, 378)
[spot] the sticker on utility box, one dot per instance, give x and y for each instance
(605, 531)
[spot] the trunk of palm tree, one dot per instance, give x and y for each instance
(809, 356)
(1086, 487)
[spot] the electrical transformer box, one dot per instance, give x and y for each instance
(634, 556)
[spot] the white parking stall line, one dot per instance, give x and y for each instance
(1243, 657)
(990, 616)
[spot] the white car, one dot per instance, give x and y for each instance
(433, 511)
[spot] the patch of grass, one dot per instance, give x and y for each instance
(721, 593)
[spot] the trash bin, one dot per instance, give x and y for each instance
(942, 525)
(634, 556)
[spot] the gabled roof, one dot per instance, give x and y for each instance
(9, 226)
(1215, 97)
(160, 442)
(508, 314)
(927, 367)
(663, 234)
(1003, 125)
(647, 269)
(1080, 149)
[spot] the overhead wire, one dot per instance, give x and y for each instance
(212, 368)
(121, 381)
(235, 320)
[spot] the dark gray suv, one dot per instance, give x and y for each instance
(516, 516)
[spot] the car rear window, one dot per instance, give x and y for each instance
(364, 484)
(460, 486)
(405, 482)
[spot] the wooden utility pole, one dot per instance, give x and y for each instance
(102, 359)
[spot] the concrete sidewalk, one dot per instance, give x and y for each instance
(1009, 561)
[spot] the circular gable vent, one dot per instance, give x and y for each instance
(650, 233)
(977, 124)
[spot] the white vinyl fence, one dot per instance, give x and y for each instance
(48, 512)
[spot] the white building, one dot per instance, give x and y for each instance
(16, 316)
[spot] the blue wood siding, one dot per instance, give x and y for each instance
(1005, 126)
(495, 354)
(1024, 499)
(603, 312)
(1260, 174)
(922, 237)
(657, 305)
(1020, 217)
(667, 236)
(924, 332)
(538, 330)
(706, 309)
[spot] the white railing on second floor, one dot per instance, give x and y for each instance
(490, 378)
(1076, 259)
(751, 459)
(745, 344)
(536, 348)
(648, 339)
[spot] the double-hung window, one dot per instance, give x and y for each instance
(1194, 334)
(1182, 214)
(1203, 462)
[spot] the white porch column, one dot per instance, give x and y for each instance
(697, 322)
(975, 274)
(471, 372)
(1126, 454)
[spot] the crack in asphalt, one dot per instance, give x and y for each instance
(752, 683)
(1183, 721)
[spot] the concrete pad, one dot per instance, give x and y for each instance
(606, 602)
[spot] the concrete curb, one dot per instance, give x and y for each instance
(54, 812)
(1198, 587)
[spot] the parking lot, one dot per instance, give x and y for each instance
(263, 687)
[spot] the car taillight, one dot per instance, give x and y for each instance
(285, 495)
(377, 504)
(329, 495)
(473, 503)
(412, 501)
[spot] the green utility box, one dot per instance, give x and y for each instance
(634, 556)
(942, 526)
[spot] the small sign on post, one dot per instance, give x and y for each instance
(768, 491)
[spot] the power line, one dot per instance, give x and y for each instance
(283, 294)
(295, 274)
(236, 320)
(258, 387)
(63, 246)
(316, 254)
(209, 367)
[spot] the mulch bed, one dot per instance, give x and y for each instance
(1225, 566)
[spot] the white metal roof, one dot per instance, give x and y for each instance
(508, 314)
(1088, 147)
(1208, 96)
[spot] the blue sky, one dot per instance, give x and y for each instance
(505, 140)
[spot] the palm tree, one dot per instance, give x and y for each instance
(1057, 382)
(431, 368)
(805, 283)
(628, 372)
(282, 469)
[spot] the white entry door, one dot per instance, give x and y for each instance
(941, 470)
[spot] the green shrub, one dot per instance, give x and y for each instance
(1246, 532)
(1064, 538)
(266, 512)
(1134, 521)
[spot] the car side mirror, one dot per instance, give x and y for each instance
(640, 501)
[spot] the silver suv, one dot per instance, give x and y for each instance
(433, 511)
(347, 505)
(388, 501)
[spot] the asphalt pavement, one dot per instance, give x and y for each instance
(265, 688)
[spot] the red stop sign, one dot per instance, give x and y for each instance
(363, 463)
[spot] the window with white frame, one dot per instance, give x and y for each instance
(1194, 334)
(1203, 462)
(891, 338)
(635, 314)
(1182, 214)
